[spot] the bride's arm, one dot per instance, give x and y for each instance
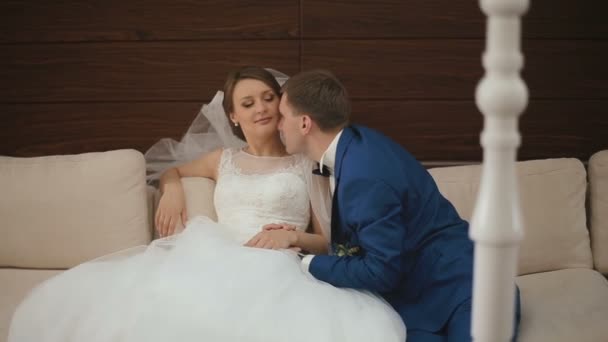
(172, 205)
(205, 166)
(313, 242)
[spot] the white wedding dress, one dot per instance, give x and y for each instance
(203, 285)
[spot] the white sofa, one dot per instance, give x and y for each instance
(564, 296)
(59, 211)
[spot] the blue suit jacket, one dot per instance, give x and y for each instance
(414, 248)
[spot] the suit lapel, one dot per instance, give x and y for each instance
(343, 143)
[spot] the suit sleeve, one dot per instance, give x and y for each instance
(375, 211)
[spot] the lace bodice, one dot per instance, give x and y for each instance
(253, 191)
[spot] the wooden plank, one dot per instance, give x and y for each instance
(566, 19)
(444, 131)
(449, 130)
(430, 130)
(451, 69)
(391, 19)
(132, 71)
(566, 68)
(403, 69)
(115, 20)
(564, 129)
(378, 69)
(446, 19)
(44, 129)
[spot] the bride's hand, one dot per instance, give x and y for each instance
(274, 226)
(273, 239)
(171, 212)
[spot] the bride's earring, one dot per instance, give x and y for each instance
(236, 124)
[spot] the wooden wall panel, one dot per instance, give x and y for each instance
(80, 76)
(450, 69)
(446, 19)
(120, 20)
(399, 69)
(183, 71)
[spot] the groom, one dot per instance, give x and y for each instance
(392, 232)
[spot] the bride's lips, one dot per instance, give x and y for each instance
(263, 121)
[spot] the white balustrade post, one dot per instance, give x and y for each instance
(496, 225)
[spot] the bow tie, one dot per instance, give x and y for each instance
(321, 172)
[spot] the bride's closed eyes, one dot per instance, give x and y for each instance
(269, 97)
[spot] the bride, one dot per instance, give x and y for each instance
(237, 279)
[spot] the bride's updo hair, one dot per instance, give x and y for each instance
(247, 72)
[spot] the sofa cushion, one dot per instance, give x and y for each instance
(59, 211)
(567, 305)
(598, 205)
(552, 194)
(199, 194)
(199, 197)
(16, 284)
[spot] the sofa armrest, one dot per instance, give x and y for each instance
(598, 206)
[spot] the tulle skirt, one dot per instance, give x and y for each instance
(200, 285)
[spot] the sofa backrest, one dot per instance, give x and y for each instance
(59, 211)
(552, 196)
(598, 207)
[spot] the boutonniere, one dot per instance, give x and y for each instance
(346, 250)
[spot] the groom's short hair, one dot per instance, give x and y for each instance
(321, 95)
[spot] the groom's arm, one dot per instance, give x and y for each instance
(375, 211)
